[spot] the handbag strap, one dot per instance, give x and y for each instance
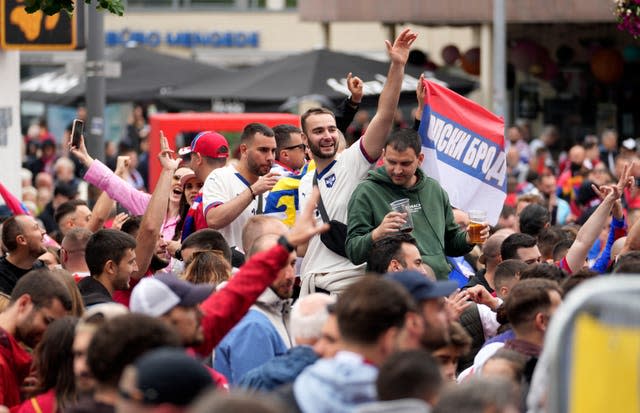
(321, 208)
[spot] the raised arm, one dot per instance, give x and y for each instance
(591, 229)
(99, 175)
(421, 91)
(380, 126)
(100, 212)
(154, 216)
(346, 111)
(223, 309)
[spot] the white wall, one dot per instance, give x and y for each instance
(10, 137)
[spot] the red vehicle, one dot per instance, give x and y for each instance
(173, 124)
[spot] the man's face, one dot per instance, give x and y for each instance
(401, 166)
(412, 257)
(547, 185)
(322, 135)
(125, 269)
(85, 383)
(295, 152)
(436, 319)
(329, 342)
(529, 255)
(32, 322)
(260, 154)
(129, 386)
(283, 285)
(187, 322)
(33, 235)
(191, 189)
(448, 360)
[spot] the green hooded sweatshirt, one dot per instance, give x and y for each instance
(434, 228)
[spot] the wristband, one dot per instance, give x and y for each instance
(253, 194)
(285, 243)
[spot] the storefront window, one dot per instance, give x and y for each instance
(225, 4)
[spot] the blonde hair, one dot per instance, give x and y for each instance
(207, 267)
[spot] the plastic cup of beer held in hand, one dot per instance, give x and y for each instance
(476, 224)
(402, 206)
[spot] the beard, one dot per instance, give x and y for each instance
(157, 263)
(257, 169)
(317, 152)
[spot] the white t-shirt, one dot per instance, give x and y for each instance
(336, 182)
(221, 186)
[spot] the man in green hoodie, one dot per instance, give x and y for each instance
(371, 218)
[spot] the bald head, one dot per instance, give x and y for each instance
(259, 225)
(491, 249)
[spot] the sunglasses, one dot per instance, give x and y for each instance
(299, 146)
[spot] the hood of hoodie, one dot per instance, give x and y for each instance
(380, 176)
(338, 385)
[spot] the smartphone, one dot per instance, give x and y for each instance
(76, 132)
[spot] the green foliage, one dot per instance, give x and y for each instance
(51, 7)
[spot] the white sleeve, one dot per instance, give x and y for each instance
(214, 191)
(488, 319)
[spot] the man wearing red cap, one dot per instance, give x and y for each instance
(231, 195)
(209, 151)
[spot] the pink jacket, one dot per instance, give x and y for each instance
(135, 201)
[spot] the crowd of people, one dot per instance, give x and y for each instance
(283, 281)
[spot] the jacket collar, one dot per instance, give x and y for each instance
(270, 301)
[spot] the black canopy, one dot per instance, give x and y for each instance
(318, 72)
(145, 75)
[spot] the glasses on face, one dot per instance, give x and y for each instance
(301, 146)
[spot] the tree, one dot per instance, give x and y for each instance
(51, 7)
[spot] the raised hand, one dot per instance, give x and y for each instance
(119, 220)
(399, 50)
(480, 295)
(122, 165)
(81, 153)
(306, 225)
(265, 183)
(421, 91)
(457, 302)
(356, 87)
(166, 155)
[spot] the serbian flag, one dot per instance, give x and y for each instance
(463, 146)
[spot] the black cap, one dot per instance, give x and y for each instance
(169, 375)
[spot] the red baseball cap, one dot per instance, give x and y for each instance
(208, 143)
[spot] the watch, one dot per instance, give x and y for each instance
(285, 243)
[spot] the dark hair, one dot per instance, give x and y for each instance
(208, 239)
(283, 136)
(576, 279)
(547, 240)
(120, 341)
(517, 361)
(533, 218)
(105, 245)
(312, 112)
(403, 139)
(131, 225)
(53, 361)
(527, 298)
(387, 249)
(11, 228)
(506, 271)
(409, 374)
(628, 263)
(458, 337)
(511, 244)
(67, 208)
(370, 307)
(183, 210)
(43, 287)
(561, 248)
(251, 129)
(507, 211)
(544, 270)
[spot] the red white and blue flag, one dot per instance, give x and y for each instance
(463, 146)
